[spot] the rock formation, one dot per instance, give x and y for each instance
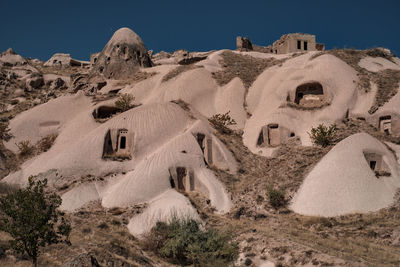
(123, 55)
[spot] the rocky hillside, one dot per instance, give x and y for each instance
(222, 137)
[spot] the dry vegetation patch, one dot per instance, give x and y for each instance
(136, 78)
(246, 67)
(179, 70)
(388, 82)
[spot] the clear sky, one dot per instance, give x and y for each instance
(40, 28)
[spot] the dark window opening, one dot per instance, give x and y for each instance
(298, 44)
(200, 140)
(305, 45)
(181, 173)
(273, 126)
(171, 181)
(372, 164)
(123, 143)
(260, 139)
(387, 131)
(95, 60)
(101, 69)
(292, 135)
(104, 112)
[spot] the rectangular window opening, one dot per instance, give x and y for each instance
(123, 143)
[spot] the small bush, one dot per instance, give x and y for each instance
(184, 242)
(4, 131)
(26, 149)
(221, 121)
(46, 142)
(323, 135)
(124, 102)
(276, 198)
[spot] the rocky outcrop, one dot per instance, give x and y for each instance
(243, 44)
(10, 58)
(123, 55)
(65, 60)
(83, 260)
(35, 81)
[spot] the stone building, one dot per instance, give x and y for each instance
(288, 43)
(295, 42)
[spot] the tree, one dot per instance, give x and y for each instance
(31, 218)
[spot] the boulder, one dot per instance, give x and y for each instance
(123, 55)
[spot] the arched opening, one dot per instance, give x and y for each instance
(309, 94)
(104, 112)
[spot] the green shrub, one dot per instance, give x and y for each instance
(183, 242)
(276, 198)
(26, 149)
(124, 102)
(323, 135)
(221, 121)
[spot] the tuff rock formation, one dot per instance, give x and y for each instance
(123, 55)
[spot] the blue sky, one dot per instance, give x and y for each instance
(39, 28)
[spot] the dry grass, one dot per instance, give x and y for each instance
(99, 233)
(247, 68)
(46, 142)
(387, 82)
(179, 70)
(136, 78)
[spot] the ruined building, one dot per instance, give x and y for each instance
(288, 43)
